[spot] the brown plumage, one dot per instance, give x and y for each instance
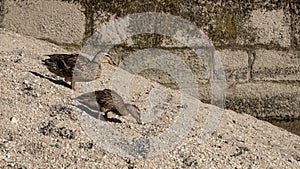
(108, 100)
(77, 67)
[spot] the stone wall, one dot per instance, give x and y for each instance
(258, 42)
(55, 21)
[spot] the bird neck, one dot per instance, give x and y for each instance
(96, 59)
(99, 71)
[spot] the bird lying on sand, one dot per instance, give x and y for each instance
(77, 67)
(108, 100)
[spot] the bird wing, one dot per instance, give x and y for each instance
(61, 64)
(109, 100)
(86, 70)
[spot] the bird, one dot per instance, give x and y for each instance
(108, 100)
(77, 67)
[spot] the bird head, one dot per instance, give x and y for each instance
(108, 59)
(104, 58)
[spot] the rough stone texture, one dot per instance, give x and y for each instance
(235, 64)
(19, 47)
(290, 125)
(40, 127)
(295, 23)
(276, 65)
(265, 100)
(195, 64)
(217, 19)
(297, 31)
(58, 22)
(3, 11)
(267, 28)
(169, 43)
(224, 22)
(101, 17)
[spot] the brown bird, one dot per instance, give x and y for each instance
(77, 67)
(106, 101)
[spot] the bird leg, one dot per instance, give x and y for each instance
(105, 116)
(99, 115)
(73, 84)
(74, 87)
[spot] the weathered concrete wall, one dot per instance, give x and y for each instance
(258, 42)
(59, 22)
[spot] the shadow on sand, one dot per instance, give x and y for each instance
(95, 114)
(59, 82)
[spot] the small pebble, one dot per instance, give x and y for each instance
(22, 54)
(14, 120)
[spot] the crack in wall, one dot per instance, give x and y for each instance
(3, 11)
(251, 60)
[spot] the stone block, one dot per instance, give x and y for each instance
(266, 27)
(55, 21)
(295, 23)
(235, 64)
(267, 100)
(276, 65)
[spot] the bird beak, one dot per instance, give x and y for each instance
(110, 58)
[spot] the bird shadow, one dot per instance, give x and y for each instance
(58, 82)
(95, 114)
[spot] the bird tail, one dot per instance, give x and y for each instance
(134, 111)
